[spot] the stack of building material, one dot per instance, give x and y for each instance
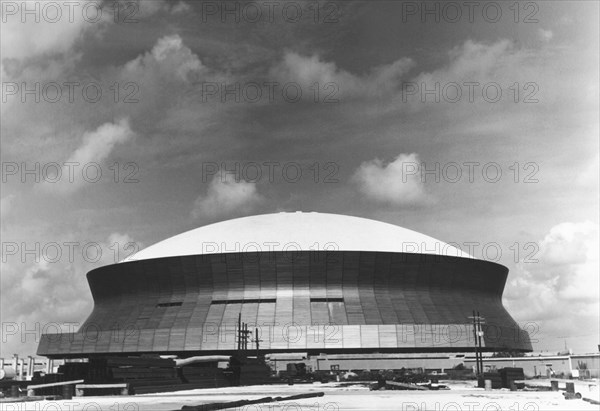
(143, 374)
(49, 379)
(254, 371)
(393, 385)
(510, 375)
(139, 362)
(73, 371)
(205, 376)
(140, 372)
(154, 374)
(162, 385)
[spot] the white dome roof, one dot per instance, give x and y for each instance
(297, 231)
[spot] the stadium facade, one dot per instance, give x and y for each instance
(309, 282)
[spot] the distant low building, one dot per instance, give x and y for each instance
(585, 365)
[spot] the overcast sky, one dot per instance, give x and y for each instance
(499, 103)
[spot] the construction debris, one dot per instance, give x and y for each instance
(243, 403)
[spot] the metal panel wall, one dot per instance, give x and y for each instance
(323, 301)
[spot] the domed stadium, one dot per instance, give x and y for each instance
(302, 282)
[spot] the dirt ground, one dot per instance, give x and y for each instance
(338, 396)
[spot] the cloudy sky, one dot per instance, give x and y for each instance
(478, 126)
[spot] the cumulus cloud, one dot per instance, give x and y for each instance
(95, 147)
(147, 8)
(570, 251)
(169, 56)
(397, 182)
(44, 40)
(559, 288)
(58, 27)
(169, 78)
(471, 61)
(122, 246)
(180, 8)
(98, 144)
(308, 70)
(44, 286)
(226, 198)
(493, 69)
(566, 258)
(52, 285)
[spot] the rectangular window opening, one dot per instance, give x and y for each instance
(247, 301)
(326, 300)
(176, 304)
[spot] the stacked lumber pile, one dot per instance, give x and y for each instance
(460, 374)
(69, 371)
(204, 376)
(142, 374)
(153, 374)
(73, 371)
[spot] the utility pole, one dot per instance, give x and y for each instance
(246, 332)
(477, 334)
(239, 332)
(242, 334)
(475, 340)
(256, 340)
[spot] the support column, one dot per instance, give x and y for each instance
(21, 369)
(30, 367)
(15, 362)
